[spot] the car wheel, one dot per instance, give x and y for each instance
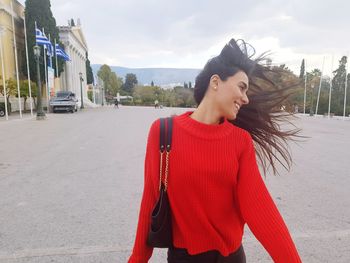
(2, 113)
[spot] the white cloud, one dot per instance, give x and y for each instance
(142, 33)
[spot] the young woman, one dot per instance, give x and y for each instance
(214, 184)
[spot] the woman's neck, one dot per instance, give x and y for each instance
(206, 113)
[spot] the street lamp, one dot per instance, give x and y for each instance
(40, 115)
(81, 89)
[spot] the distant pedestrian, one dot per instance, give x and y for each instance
(214, 185)
(156, 104)
(116, 103)
(296, 108)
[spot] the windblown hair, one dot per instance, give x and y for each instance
(263, 116)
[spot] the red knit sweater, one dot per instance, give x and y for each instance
(214, 189)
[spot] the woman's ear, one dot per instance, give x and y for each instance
(214, 81)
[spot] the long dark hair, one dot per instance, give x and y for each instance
(263, 115)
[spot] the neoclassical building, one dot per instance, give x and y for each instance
(6, 35)
(75, 46)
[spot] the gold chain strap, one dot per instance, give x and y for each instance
(166, 170)
(166, 167)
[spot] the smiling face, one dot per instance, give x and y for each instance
(231, 94)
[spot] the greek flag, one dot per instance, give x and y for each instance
(60, 53)
(41, 39)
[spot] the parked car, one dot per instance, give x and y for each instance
(64, 101)
(2, 108)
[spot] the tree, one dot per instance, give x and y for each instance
(112, 83)
(144, 95)
(339, 75)
(185, 85)
(176, 97)
(184, 97)
(313, 82)
(89, 74)
(130, 82)
(39, 11)
(11, 88)
(190, 85)
(338, 86)
(283, 78)
(169, 98)
(302, 69)
(115, 85)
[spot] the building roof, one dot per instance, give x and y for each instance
(76, 32)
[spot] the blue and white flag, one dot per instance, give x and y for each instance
(41, 39)
(60, 53)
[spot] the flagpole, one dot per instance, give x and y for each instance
(305, 85)
(56, 60)
(330, 90)
(50, 56)
(3, 75)
(16, 62)
(319, 88)
(38, 62)
(346, 83)
(28, 72)
(45, 68)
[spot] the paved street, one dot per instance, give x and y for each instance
(70, 188)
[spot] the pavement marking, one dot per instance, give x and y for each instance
(66, 251)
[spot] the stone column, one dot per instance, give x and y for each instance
(74, 78)
(71, 67)
(83, 70)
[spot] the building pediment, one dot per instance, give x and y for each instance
(79, 35)
(73, 34)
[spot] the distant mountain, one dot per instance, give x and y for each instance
(167, 77)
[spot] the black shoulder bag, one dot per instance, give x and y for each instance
(160, 234)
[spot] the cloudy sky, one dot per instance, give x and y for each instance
(185, 33)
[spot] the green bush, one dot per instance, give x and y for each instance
(127, 103)
(90, 95)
